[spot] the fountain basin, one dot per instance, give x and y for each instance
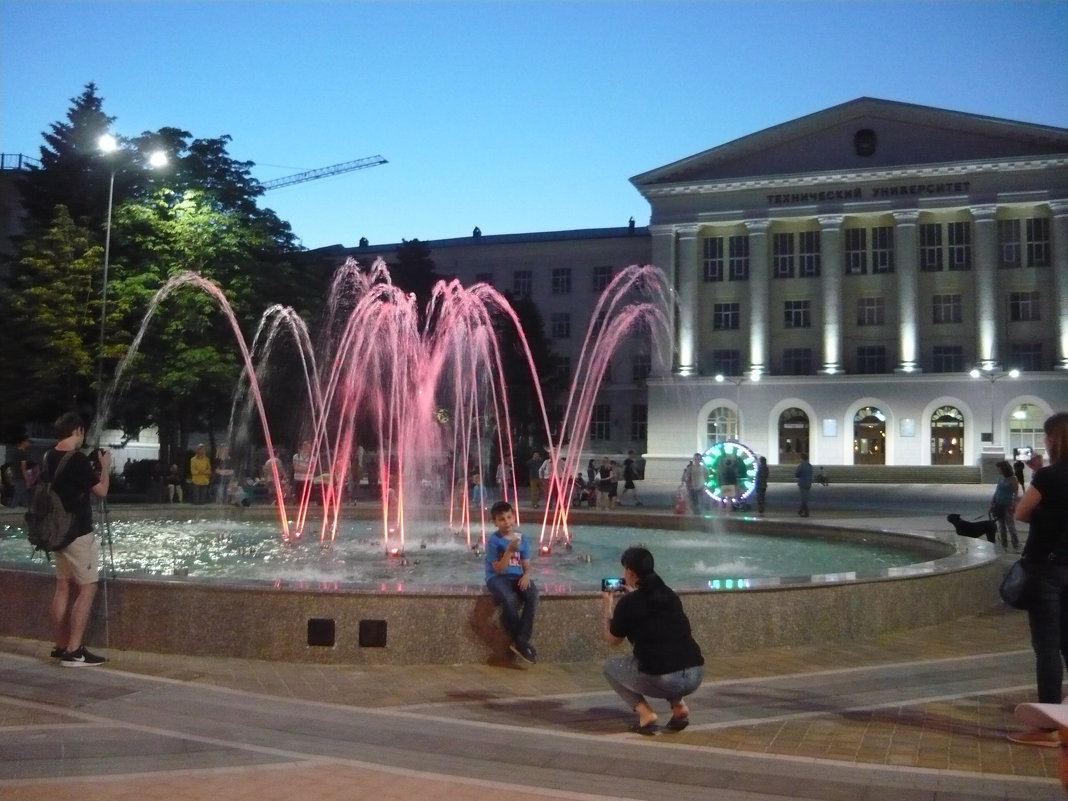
(331, 623)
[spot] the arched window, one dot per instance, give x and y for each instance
(869, 436)
(793, 435)
(947, 436)
(1025, 429)
(722, 426)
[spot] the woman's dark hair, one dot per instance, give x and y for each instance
(639, 561)
(1005, 468)
(1056, 428)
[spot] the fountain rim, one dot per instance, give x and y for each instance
(963, 553)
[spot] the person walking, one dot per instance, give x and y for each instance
(803, 476)
(760, 486)
(630, 474)
(1045, 506)
(1003, 505)
(666, 661)
(534, 478)
(694, 477)
(78, 561)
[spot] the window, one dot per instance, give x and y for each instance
(602, 277)
(639, 422)
(797, 314)
(797, 361)
(1009, 244)
(561, 280)
(870, 311)
(856, 251)
(880, 256)
(713, 259)
(1026, 356)
(562, 368)
(641, 366)
(727, 362)
(782, 259)
(808, 255)
(1023, 307)
(1038, 242)
(931, 247)
(871, 359)
(882, 249)
(947, 359)
(960, 245)
(560, 325)
(521, 283)
(946, 309)
(601, 422)
(484, 278)
(726, 316)
(722, 425)
(739, 258)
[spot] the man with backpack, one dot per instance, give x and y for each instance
(78, 561)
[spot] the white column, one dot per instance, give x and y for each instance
(986, 302)
(831, 273)
(759, 293)
(663, 251)
(1059, 267)
(689, 287)
(906, 255)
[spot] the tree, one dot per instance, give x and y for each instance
(50, 319)
(201, 214)
(414, 270)
(71, 173)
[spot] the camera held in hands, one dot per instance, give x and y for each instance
(613, 585)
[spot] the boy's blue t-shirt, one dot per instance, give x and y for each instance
(496, 545)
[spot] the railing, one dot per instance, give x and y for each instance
(17, 161)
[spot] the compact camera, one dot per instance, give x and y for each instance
(612, 585)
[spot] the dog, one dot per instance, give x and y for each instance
(974, 528)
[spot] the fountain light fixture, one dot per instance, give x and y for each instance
(546, 549)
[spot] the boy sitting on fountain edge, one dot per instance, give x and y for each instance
(508, 580)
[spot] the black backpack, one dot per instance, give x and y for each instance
(47, 521)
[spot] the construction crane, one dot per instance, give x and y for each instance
(323, 172)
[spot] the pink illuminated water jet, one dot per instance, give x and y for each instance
(430, 398)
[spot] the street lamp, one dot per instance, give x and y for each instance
(108, 144)
(991, 375)
(737, 381)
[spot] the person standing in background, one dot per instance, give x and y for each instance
(803, 476)
(200, 474)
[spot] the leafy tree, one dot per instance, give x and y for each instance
(52, 317)
(202, 214)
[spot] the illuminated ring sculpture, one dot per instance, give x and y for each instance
(745, 465)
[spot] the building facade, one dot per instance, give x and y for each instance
(839, 278)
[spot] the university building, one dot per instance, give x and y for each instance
(878, 283)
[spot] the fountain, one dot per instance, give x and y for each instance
(430, 398)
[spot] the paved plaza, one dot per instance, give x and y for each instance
(912, 715)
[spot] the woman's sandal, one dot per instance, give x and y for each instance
(648, 730)
(678, 723)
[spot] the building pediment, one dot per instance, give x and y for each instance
(863, 134)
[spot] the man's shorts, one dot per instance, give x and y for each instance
(80, 560)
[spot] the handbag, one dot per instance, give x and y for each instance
(1018, 587)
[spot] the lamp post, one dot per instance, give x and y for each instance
(108, 144)
(737, 381)
(991, 375)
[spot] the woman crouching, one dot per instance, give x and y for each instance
(666, 661)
